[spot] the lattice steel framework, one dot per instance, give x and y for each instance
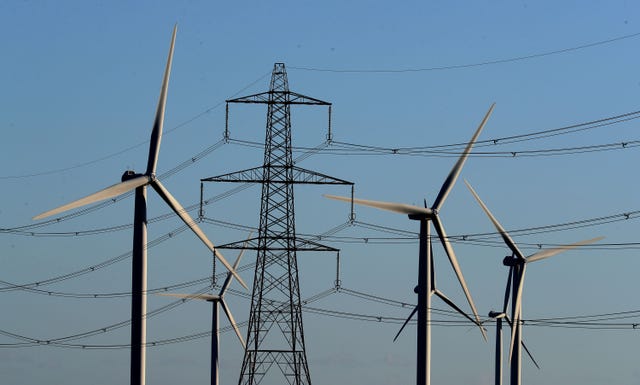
(275, 336)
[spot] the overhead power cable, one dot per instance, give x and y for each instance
(455, 149)
(447, 150)
(124, 256)
(401, 236)
(471, 65)
(127, 149)
(89, 209)
(350, 149)
(64, 341)
(92, 268)
(25, 230)
(102, 330)
(600, 321)
(52, 293)
(406, 70)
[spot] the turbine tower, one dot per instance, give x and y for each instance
(275, 336)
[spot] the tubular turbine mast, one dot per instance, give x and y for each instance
(275, 336)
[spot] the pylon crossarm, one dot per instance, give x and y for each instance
(293, 98)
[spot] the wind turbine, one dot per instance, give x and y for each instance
(217, 301)
(426, 274)
(139, 182)
(517, 263)
(499, 316)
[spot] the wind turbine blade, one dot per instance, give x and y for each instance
(415, 310)
(456, 267)
(156, 132)
(455, 171)
(227, 281)
(518, 309)
(454, 306)
(530, 356)
(505, 236)
(551, 252)
(186, 218)
(233, 322)
(205, 297)
(524, 346)
(109, 192)
(400, 208)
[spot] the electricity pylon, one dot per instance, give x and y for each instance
(275, 336)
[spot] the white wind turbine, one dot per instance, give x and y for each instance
(517, 267)
(139, 182)
(426, 274)
(217, 301)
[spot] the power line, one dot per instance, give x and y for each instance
(127, 149)
(534, 135)
(455, 149)
(409, 70)
(51, 293)
(403, 236)
(472, 65)
(25, 230)
(352, 149)
(63, 341)
(587, 321)
(149, 244)
(192, 160)
(345, 148)
(95, 267)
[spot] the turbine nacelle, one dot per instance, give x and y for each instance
(513, 261)
(497, 314)
(128, 175)
(423, 216)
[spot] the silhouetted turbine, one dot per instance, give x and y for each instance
(217, 301)
(426, 275)
(499, 316)
(517, 266)
(139, 182)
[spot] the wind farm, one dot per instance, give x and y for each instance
(407, 100)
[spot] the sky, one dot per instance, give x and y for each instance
(80, 82)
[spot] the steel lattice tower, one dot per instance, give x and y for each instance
(275, 336)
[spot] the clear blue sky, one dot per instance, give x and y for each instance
(79, 84)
